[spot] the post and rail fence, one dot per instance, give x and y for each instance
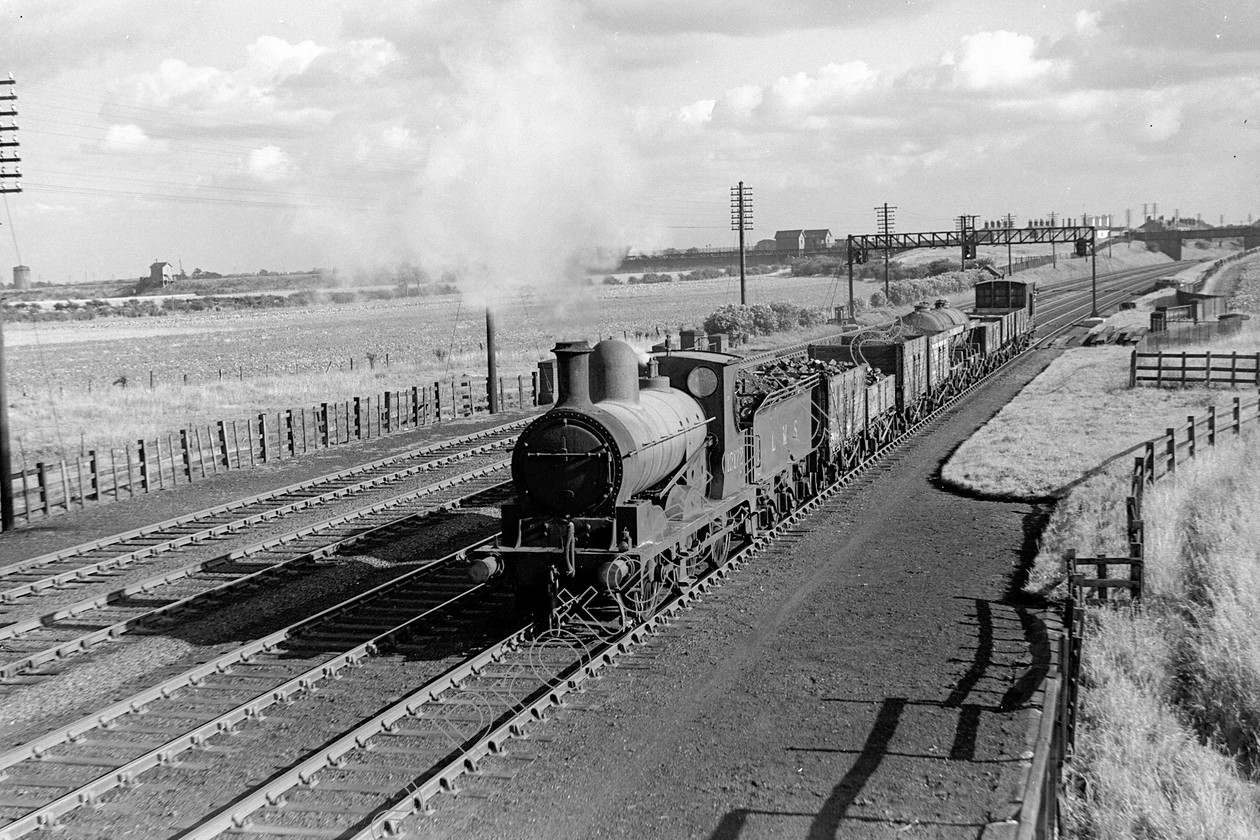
(1181, 368)
(1091, 581)
(205, 450)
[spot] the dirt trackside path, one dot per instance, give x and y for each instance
(868, 678)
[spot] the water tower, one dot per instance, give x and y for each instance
(21, 277)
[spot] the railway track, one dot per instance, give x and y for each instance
(51, 637)
(430, 615)
(91, 560)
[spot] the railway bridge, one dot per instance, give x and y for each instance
(1169, 241)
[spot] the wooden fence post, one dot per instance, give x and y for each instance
(26, 493)
(1237, 415)
(262, 436)
(1171, 449)
(41, 473)
(533, 388)
(223, 447)
(1211, 424)
(1208, 367)
(94, 475)
(288, 431)
(1191, 447)
(358, 419)
(1133, 369)
(113, 468)
(305, 447)
(187, 455)
(389, 408)
(142, 456)
(323, 425)
(437, 402)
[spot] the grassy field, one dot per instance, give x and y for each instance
(61, 375)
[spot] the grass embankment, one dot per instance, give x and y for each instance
(1167, 741)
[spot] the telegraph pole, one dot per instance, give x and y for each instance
(741, 220)
(7, 157)
(884, 226)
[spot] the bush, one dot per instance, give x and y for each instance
(733, 319)
(741, 322)
(815, 266)
(651, 277)
(705, 273)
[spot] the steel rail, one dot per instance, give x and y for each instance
(125, 774)
(231, 507)
(82, 573)
(116, 629)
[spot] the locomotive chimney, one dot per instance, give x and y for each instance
(573, 375)
(614, 372)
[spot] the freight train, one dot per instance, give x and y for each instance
(647, 471)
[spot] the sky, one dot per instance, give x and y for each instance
(527, 140)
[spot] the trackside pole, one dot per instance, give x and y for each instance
(492, 366)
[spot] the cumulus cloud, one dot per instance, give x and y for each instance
(124, 138)
(833, 84)
(269, 164)
(998, 60)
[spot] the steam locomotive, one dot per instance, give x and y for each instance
(647, 470)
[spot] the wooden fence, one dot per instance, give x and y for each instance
(202, 451)
(1182, 368)
(1159, 457)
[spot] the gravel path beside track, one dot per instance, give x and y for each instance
(868, 678)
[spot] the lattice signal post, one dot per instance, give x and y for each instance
(741, 220)
(1083, 237)
(884, 224)
(9, 183)
(8, 139)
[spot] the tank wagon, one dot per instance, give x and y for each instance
(648, 468)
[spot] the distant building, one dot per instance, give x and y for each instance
(800, 241)
(160, 275)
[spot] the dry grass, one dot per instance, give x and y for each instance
(1078, 413)
(1167, 744)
